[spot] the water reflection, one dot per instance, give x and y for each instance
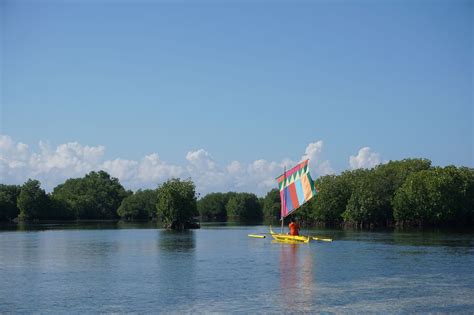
(220, 270)
(406, 237)
(77, 225)
(296, 277)
(174, 241)
(175, 268)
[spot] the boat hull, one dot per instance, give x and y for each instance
(290, 239)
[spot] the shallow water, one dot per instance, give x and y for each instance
(139, 268)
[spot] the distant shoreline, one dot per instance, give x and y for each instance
(158, 225)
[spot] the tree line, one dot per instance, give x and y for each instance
(407, 192)
(410, 192)
(98, 196)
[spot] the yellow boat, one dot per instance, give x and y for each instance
(290, 239)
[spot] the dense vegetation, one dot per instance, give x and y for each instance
(95, 196)
(139, 206)
(436, 196)
(212, 207)
(33, 201)
(98, 196)
(244, 207)
(407, 192)
(8, 202)
(176, 204)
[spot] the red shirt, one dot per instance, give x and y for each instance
(294, 228)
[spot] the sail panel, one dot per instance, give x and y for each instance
(294, 196)
(283, 203)
(306, 185)
(288, 203)
(299, 191)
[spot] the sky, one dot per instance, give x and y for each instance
(228, 93)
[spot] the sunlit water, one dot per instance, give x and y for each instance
(60, 269)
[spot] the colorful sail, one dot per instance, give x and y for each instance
(296, 188)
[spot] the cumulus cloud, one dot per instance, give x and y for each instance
(364, 159)
(53, 165)
(50, 165)
(261, 174)
(125, 170)
(313, 152)
(71, 159)
(13, 159)
(152, 169)
(205, 172)
(201, 160)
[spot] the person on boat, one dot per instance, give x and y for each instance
(294, 227)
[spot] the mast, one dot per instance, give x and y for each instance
(283, 201)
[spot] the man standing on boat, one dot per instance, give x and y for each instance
(294, 227)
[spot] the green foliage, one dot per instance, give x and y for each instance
(435, 197)
(261, 203)
(59, 210)
(396, 172)
(176, 204)
(408, 191)
(333, 196)
(467, 192)
(212, 206)
(8, 197)
(371, 200)
(272, 205)
(95, 196)
(141, 205)
(304, 214)
(32, 201)
(245, 207)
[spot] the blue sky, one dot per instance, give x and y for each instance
(206, 86)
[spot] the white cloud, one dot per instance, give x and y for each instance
(70, 159)
(206, 173)
(152, 169)
(53, 165)
(201, 160)
(313, 152)
(13, 159)
(234, 167)
(126, 170)
(364, 159)
(261, 174)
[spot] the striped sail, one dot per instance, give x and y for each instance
(296, 188)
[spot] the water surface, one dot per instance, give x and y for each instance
(139, 268)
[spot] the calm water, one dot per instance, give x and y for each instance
(220, 269)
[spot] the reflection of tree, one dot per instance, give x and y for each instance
(434, 237)
(296, 282)
(174, 241)
(176, 269)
